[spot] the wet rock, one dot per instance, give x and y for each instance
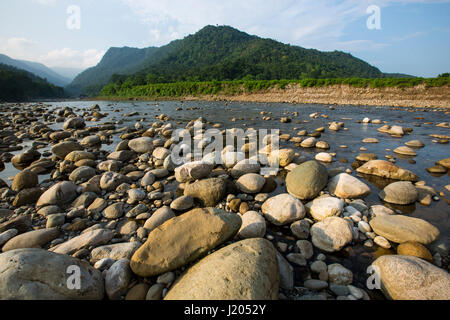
(32, 239)
(346, 186)
(402, 192)
(411, 278)
(415, 144)
(331, 234)
(283, 209)
(414, 249)
(61, 150)
(36, 274)
(141, 145)
(307, 180)
(283, 157)
(321, 208)
(192, 171)
(24, 180)
(250, 183)
(74, 123)
(59, 194)
(399, 229)
(183, 239)
(245, 270)
(253, 225)
(324, 157)
(23, 160)
(388, 170)
(407, 151)
(208, 191)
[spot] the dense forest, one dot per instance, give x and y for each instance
(21, 85)
(218, 54)
(190, 88)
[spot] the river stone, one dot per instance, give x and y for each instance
(183, 239)
(82, 174)
(111, 180)
(321, 208)
(250, 183)
(62, 149)
(24, 180)
(117, 279)
(245, 166)
(253, 225)
(161, 153)
(405, 151)
(346, 186)
(59, 194)
(366, 157)
(415, 144)
(136, 195)
(339, 275)
(109, 165)
(399, 229)
(114, 211)
(79, 155)
(331, 234)
(402, 192)
(282, 157)
(74, 123)
(121, 156)
(137, 293)
(307, 180)
(32, 239)
(91, 141)
(88, 239)
(386, 169)
(411, 278)
(114, 251)
(158, 218)
(37, 274)
(192, 171)
(324, 157)
(27, 196)
(55, 220)
(412, 248)
(444, 163)
(283, 209)
(23, 160)
(21, 223)
(148, 179)
(7, 235)
(141, 145)
(380, 210)
(286, 273)
(309, 142)
(208, 191)
(245, 270)
(84, 200)
(182, 203)
(396, 131)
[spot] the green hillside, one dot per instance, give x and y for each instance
(21, 85)
(219, 53)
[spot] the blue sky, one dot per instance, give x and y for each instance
(414, 37)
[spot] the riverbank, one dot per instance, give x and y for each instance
(419, 96)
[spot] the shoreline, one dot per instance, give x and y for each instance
(416, 97)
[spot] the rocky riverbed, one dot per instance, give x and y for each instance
(94, 206)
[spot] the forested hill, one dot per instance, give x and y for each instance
(21, 85)
(220, 53)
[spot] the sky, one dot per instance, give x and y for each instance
(397, 36)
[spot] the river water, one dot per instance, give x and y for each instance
(247, 115)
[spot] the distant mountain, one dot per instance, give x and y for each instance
(21, 85)
(398, 75)
(36, 68)
(220, 53)
(69, 73)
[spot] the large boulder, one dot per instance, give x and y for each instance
(307, 180)
(24, 180)
(36, 274)
(141, 145)
(331, 234)
(346, 186)
(399, 229)
(208, 191)
(59, 194)
(245, 270)
(183, 239)
(401, 192)
(321, 208)
(192, 171)
(62, 149)
(32, 239)
(386, 169)
(88, 239)
(411, 278)
(283, 209)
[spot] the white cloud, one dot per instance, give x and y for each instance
(24, 49)
(309, 23)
